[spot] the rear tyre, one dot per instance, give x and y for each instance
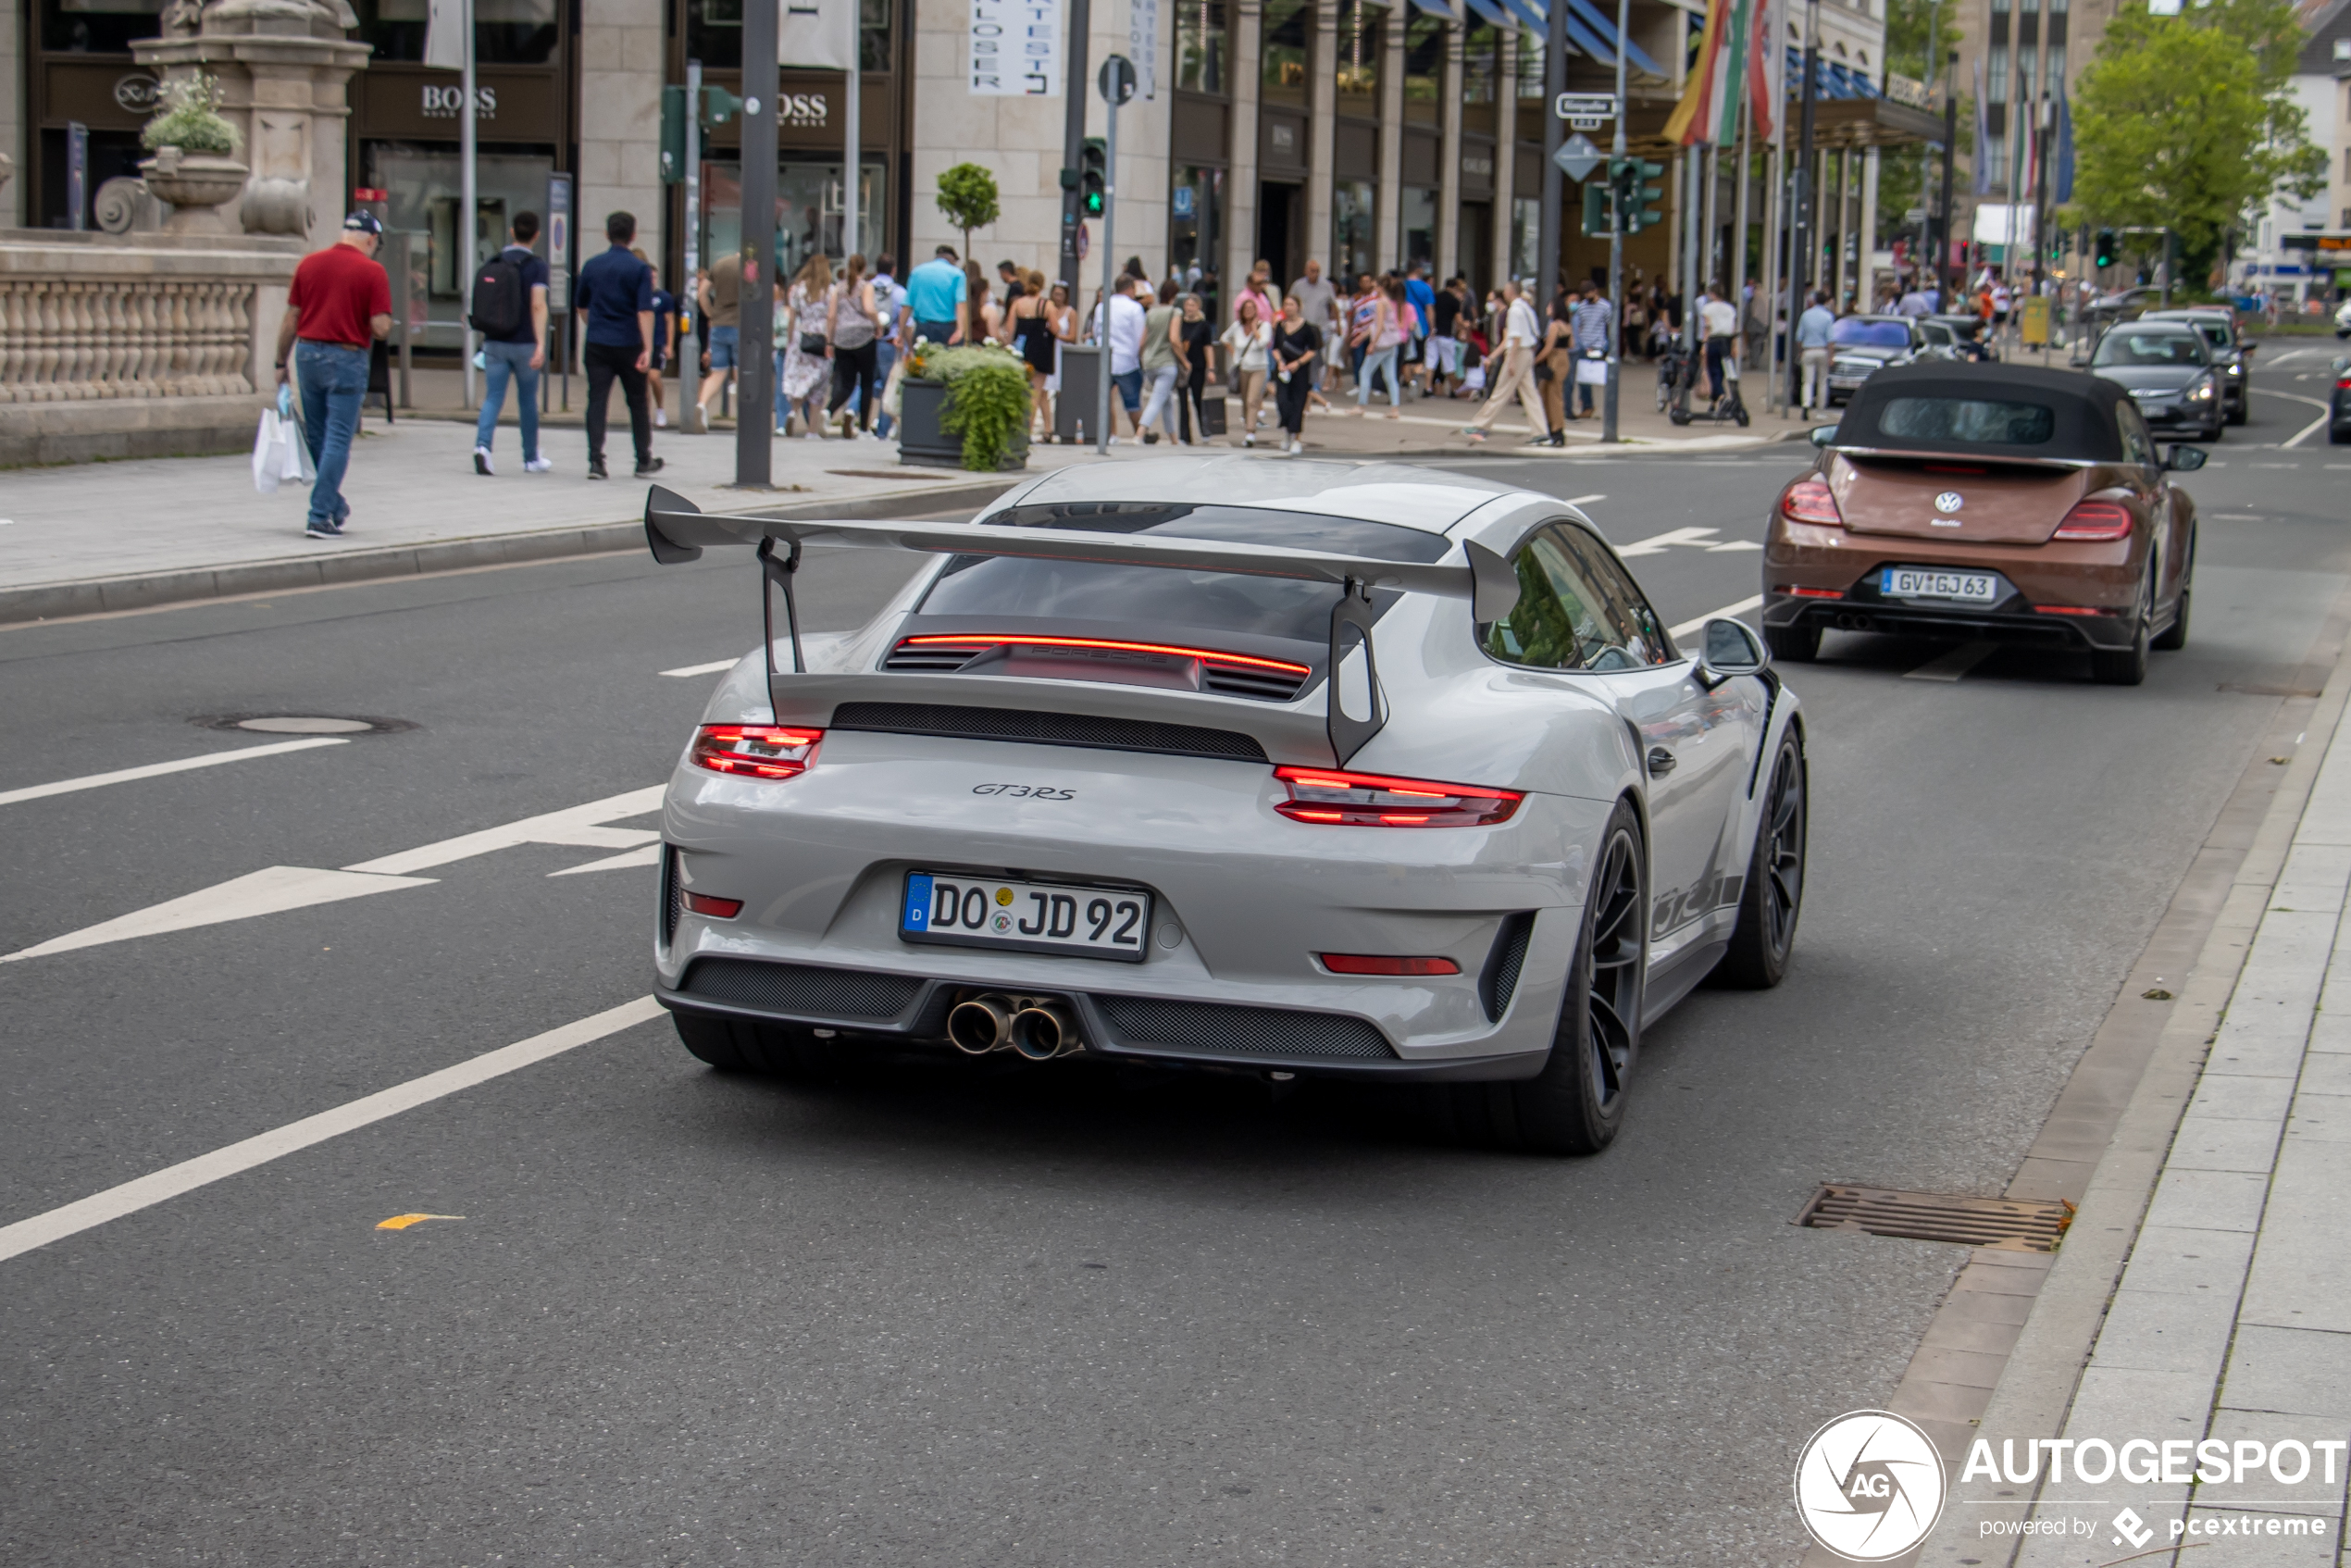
(2238, 415)
(1576, 1104)
(2176, 636)
(1796, 644)
(2126, 666)
(738, 1045)
(1773, 896)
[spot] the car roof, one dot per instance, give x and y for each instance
(1427, 499)
(2084, 407)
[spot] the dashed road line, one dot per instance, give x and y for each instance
(157, 769)
(686, 671)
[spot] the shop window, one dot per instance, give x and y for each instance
(1199, 46)
(1358, 59)
(506, 33)
(423, 187)
(808, 211)
(1353, 209)
(1284, 50)
(1196, 230)
(1420, 225)
(1996, 75)
(1424, 68)
(98, 26)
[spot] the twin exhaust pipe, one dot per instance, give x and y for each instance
(1038, 1028)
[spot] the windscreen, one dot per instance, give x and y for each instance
(1972, 421)
(1857, 331)
(2130, 345)
(1091, 591)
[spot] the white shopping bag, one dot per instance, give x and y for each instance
(1473, 379)
(893, 395)
(269, 451)
(1591, 372)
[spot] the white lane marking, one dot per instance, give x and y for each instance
(156, 770)
(555, 828)
(1733, 544)
(686, 671)
(1586, 500)
(1657, 543)
(649, 856)
(1955, 664)
(204, 1169)
(2234, 517)
(271, 891)
(1726, 613)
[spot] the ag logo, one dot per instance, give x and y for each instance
(1869, 1485)
(1949, 502)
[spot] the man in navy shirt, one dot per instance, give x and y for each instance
(613, 295)
(516, 354)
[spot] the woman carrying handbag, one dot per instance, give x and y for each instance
(850, 335)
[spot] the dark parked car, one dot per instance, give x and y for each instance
(2232, 356)
(2167, 372)
(1956, 337)
(1859, 346)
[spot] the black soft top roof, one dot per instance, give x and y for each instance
(2083, 407)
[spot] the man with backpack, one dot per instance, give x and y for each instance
(509, 310)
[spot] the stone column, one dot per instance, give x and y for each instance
(1240, 177)
(1448, 155)
(1505, 159)
(1869, 226)
(1322, 99)
(1388, 221)
(620, 80)
(284, 69)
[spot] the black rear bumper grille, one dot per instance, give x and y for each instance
(801, 990)
(1020, 724)
(1225, 1029)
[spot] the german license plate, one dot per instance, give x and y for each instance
(1072, 918)
(1913, 582)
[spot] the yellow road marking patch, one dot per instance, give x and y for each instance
(402, 1222)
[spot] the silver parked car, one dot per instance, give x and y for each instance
(1288, 767)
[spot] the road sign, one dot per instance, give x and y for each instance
(1117, 80)
(1586, 111)
(1577, 158)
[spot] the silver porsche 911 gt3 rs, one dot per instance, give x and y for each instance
(1305, 768)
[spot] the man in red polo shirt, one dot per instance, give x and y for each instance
(339, 299)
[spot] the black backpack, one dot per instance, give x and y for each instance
(498, 304)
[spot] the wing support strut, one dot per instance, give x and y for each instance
(1350, 628)
(777, 574)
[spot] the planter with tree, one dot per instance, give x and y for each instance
(194, 167)
(963, 407)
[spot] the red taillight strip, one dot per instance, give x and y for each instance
(1373, 964)
(2073, 610)
(754, 750)
(1793, 591)
(1329, 779)
(995, 639)
(2097, 520)
(717, 908)
(1383, 801)
(1811, 501)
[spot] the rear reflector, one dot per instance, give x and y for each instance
(1793, 591)
(1811, 501)
(2073, 610)
(754, 750)
(2104, 521)
(1368, 963)
(717, 909)
(1369, 800)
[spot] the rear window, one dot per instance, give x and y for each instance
(1855, 332)
(2128, 346)
(1968, 420)
(996, 585)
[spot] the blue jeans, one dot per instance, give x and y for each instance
(1378, 362)
(334, 382)
(884, 356)
(937, 331)
(510, 362)
(1130, 387)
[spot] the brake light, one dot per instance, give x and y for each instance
(1811, 501)
(1369, 800)
(2095, 520)
(1368, 963)
(1795, 592)
(718, 909)
(756, 751)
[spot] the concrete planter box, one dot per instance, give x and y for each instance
(924, 442)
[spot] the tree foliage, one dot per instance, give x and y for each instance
(967, 195)
(1911, 176)
(2187, 121)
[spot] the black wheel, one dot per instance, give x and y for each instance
(1796, 645)
(2127, 666)
(1576, 1104)
(2176, 636)
(738, 1045)
(2238, 415)
(1773, 896)
(1741, 416)
(2338, 436)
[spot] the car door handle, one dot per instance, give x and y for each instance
(1661, 761)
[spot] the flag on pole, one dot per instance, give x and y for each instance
(1982, 159)
(2061, 169)
(1730, 72)
(1692, 121)
(445, 34)
(1766, 63)
(1733, 59)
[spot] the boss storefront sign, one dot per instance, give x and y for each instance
(522, 103)
(443, 102)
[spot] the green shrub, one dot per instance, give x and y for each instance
(987, 399)
(967, 195)
(190, 121)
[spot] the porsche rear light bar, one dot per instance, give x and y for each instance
(1811, 501)
(1024, 640)
(1372, 964)
(756, 751)
(2101, 520)
(1329, 797)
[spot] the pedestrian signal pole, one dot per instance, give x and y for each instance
(1117, 84)
(1617, 211)
(755, 374)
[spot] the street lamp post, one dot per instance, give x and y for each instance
(1615, 240)
(1799, 260)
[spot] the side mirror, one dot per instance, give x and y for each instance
(2183, 458)
(1824, 435)
(1728, 648)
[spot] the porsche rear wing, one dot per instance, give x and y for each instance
(678, 531)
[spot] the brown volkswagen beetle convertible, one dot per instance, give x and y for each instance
(1986, 502)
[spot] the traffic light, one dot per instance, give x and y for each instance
(1093, 176)
(673, 135)
(1645, 196)
(718, 107)
(2105, 257)
(1599, 202)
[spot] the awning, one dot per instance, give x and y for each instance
(1531, 12)
(1436, 9)
(1487, 11)
(1603, 29)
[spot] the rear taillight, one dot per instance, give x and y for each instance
(2095, 520)
(1795, 591)
(1369, 800)
(1372, 964)
(717, 909)
(756, 751)
(1811, 501)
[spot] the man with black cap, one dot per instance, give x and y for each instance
(338, 301)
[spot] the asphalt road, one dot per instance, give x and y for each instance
(1031, 1318)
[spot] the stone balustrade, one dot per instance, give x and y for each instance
(66, 340)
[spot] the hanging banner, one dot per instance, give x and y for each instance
(1015, 48)
(817, 34)
(1142, 42)
(445, 34)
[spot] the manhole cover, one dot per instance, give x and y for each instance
(2012, 1224)
(305, 724)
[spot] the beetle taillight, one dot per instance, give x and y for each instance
(756, 751)
(1330, 797)
(2103, 520)
(1811, 501)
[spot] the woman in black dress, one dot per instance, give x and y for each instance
(1197, 342)
(1296, 343)
(1033, 339)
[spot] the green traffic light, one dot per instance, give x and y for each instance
(1093, 176)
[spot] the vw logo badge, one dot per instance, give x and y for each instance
(1949, 502)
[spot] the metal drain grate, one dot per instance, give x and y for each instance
(2008, 1224)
